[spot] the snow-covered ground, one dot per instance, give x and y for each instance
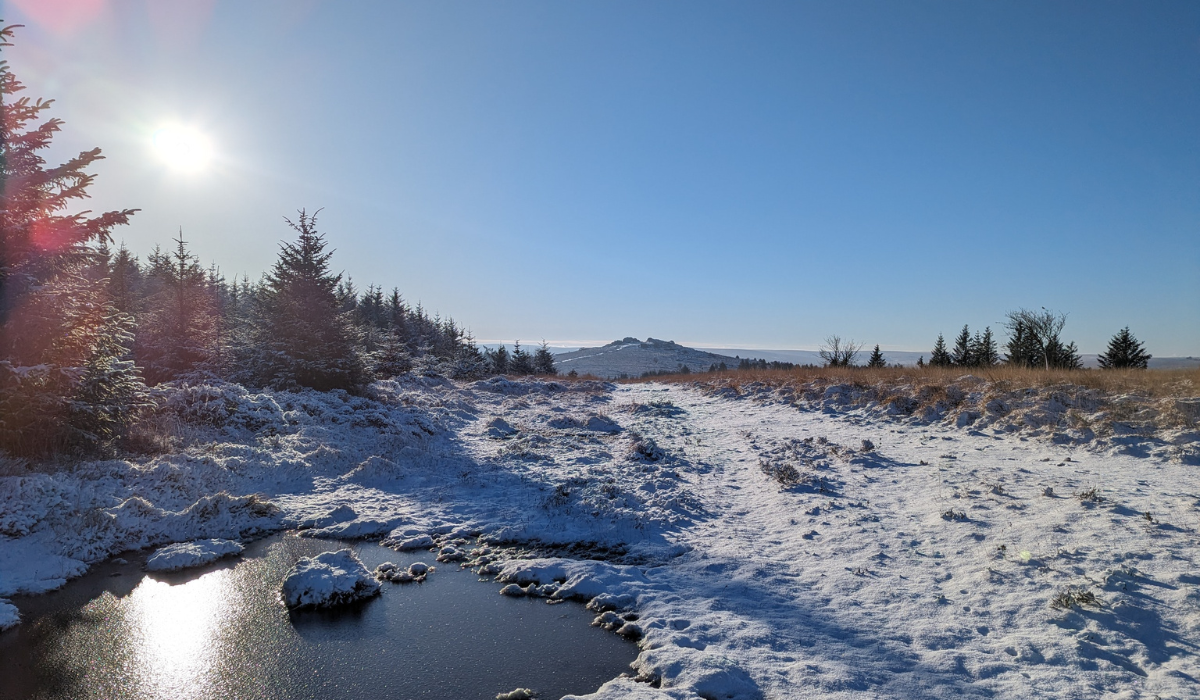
(760, 545)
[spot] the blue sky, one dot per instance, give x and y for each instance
(717, 173)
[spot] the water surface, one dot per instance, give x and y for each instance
(220, 633)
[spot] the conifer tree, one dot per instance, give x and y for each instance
(111, 393)
(469, 363)
(1062, 355)
(1124, 352)
(543, 360)
(984, 349)
(940, 356)
(962, 355)
(521, 362)
(124, 281)
(52, 305)
(876, 359)
(1039, 330)
(303, 338)
(499, 360)
(178, 332)
(1023, 350)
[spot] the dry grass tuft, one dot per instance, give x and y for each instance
(1148, 383)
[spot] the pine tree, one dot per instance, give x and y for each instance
(984, 349)
(499, 360)
(876, 359)
(543, 360)
(1038, 330)
(124, 281)
(303, 339)
(921, 362)
(962, 355)
(1062, 356)
(178, 332)
(469, 363)
(940, 356)
(522, 361)
(1023, 349)
(111, 393)
(392, 358)
(52, 304)
(1124, 352)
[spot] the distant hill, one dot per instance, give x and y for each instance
(631, 357)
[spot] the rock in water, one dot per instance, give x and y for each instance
(332, 578)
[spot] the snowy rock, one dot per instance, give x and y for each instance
(188, 554)
(498, 428)
(405, 542)
(518, 694)
(331, 578)
(601, 424)
(388, 571)
(966, 418)
(608, 620)
(9, 616)
(513, 590)
(644, 449)
(450, 553)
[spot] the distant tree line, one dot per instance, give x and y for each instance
(1035, 341)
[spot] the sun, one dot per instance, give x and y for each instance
(182, 148)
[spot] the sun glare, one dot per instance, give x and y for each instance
(182, 148)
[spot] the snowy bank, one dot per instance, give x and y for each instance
(185, 555)
(331, 578)
(9, 616)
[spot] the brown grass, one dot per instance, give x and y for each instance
(1179, 383)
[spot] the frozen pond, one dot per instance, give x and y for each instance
(220, 632)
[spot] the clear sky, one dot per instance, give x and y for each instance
(737, 174)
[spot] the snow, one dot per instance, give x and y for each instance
(9, 615)
(328, 579)
(759, 541)
(185, 555)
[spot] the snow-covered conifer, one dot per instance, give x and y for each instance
(303, 339)
(521, 362)
(52, 305)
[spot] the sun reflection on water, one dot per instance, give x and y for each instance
(176, 631)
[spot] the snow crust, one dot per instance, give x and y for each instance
(328, 579)
(185, 555)
(9, 615)
(759, 541)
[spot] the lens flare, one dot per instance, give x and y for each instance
(182, 148)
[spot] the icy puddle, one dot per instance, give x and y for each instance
(220, 632)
